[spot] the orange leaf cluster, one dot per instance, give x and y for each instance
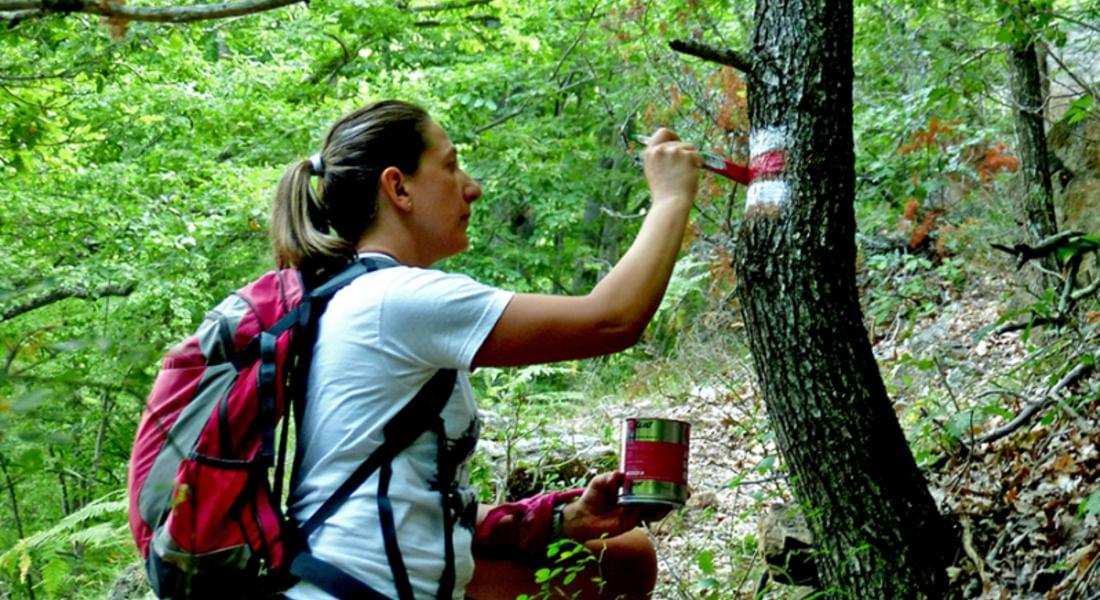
(995, 161)
(943, 235)
(921, 231)
(919, 234)
(933, 136)
(721, 270)
(733, 113)
(911, 208)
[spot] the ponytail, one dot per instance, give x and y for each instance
(317, 230)
(299, 226)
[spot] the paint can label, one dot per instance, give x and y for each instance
(654, 460)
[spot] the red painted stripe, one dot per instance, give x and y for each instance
(769, 163)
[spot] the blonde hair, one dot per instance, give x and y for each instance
(317, 228)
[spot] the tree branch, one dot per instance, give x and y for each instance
(449, 6)
(164, 14)
(63, 293)
(731, 58)
(1045, 247)
(1035, 407)
(1084, 86)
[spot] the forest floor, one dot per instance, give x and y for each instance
(1025, 506)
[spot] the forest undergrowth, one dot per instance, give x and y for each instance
(1001, 416)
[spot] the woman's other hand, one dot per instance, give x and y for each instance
(598, 512)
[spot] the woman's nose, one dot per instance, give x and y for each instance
(472, 190)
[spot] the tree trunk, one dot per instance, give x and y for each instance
(1037, 194)
(59, 468)
(874, 519)
(105, 409)
(10, 485)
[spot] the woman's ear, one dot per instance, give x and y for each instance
(391, 183)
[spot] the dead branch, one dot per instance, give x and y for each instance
(968, 547)
(723, 56)
(1038, 406)
(162, 14)
(449, 6)
(1086, 291)
(63, 293)
(1024, 252)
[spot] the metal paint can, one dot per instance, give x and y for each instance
(654, 460)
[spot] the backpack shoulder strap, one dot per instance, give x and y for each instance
(418, 416)
(414, 419)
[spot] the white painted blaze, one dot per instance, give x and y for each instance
(768, 139)
(774, 192)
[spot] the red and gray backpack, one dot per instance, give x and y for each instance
(204, 514)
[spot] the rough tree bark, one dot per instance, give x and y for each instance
(877, 528)
(1037, 193)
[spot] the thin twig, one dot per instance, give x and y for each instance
(1084, 86)
(1058, 15)
(946, 384)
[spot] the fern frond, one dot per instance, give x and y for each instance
(63, 534)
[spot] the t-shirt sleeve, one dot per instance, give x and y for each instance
(440, 319)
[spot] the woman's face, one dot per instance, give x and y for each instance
(441, 194)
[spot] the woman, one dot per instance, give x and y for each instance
(389, 188)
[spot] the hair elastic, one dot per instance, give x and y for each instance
(317, 166)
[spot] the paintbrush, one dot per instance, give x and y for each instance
(715, 164)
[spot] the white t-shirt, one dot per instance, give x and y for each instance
(380, 340)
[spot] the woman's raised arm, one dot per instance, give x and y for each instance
(537, 328)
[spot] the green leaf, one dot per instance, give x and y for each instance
(999, 411)
(765, 464)
(707, 583)
(705, 560)
(31, 459)
(1091, 505)
(31, 400)
(961, 425)
(1079, 110)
